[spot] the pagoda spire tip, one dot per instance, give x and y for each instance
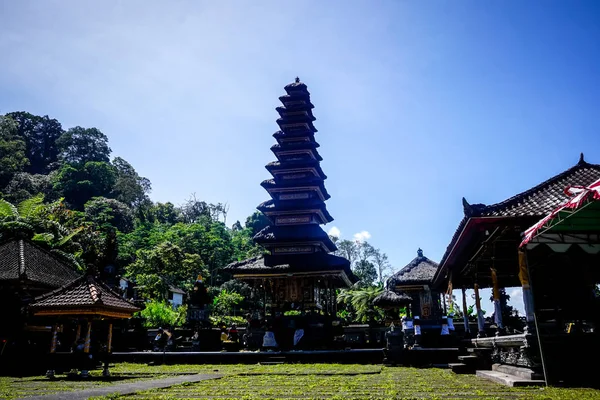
(581, 159)
(297, 80)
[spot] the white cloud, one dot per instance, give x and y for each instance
(335, 231)
(362, 236)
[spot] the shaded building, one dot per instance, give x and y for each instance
(26, 271)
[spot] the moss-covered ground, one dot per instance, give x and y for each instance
(300, 381)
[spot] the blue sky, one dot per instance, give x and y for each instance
(417, 103)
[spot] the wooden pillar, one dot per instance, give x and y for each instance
(105, 371)
(50, 373)
(78, 334)
(496, 298)
(480, 320)
(465, 316)
(527, 294)
(54, 342)
(88, 337)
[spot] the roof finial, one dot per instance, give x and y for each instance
(297, 80)
(581, 160)
(420, 252)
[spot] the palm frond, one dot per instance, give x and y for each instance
(26, 208)
(70, 236)
(69, 258)
(43, 237)
(7, 209)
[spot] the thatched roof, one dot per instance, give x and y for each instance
(419, 271)
(274, 234)
(301, 263)
(389, 299)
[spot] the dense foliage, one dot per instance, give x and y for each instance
(64, 190)
(61, 189)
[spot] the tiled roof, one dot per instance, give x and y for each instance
(419, 271)
(23, 260)
(84, 292)
(533, 203)
(545, 197)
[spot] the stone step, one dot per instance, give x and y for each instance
(507, 379)
(469, 359)
(521, 372)
(479, 350)
(460, 368)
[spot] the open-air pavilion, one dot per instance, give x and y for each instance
(83, 304)
(485, 253)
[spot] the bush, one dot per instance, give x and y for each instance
(160, 313)
(227, 320)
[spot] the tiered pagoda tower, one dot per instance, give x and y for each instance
(298, 263)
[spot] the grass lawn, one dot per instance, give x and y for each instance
(300, 381)
(334, 381)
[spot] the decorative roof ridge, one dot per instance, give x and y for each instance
(22, 272)
(95, 294)
(474, 210)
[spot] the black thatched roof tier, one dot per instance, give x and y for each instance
(21, 260)
(298, 264)
(389, 299)
(417, 272)
(309, 183)
(289, 125)
(307, 150)
(287, 146)
(305, 112)
(532, 204)
(297, 102)
(272, 235)
(301, 206)
(302, 136)
(296, 87)
(278, 166)
(86, 293)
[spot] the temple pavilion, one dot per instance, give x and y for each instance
(298, 272)
(415, 280)
(557, 280)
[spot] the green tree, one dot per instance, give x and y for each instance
(257, 222)
(106, 213)
(382, 266)
(166, 213)
(25, 185)
(12, 151)
(225, 301)
(40, 135)
(366, 272)
(129, 187)
(78, 184)
(167, 264)
(80, 145)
